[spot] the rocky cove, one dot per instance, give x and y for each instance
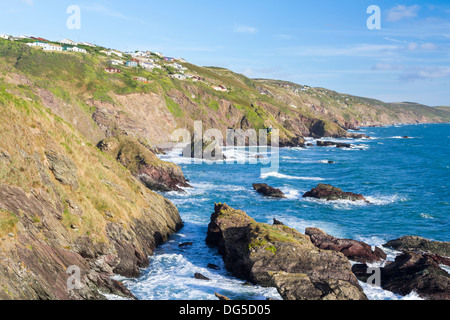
(82, 186)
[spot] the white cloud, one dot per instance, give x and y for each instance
(428, 46)
(284, 36)
(412, 46)
(400, 12)
(245, 29)
(101, 9)
(413, 73)
(387, 66)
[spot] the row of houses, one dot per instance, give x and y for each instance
(55, 47)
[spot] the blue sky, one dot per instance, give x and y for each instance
(318, 43)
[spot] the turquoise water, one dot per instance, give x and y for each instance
(406, 180)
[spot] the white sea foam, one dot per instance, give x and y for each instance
(377, 293)
(284, 176)
(349, 204)
(171, 277)
(291, 194)
(426, 216)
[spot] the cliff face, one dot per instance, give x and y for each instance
(66, 204)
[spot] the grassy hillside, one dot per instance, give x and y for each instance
(75, 86)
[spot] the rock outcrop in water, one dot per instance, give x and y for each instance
(352, 249)
(281, 257)
(154, 173)
(268, 191)
(414, 243)
(333, 144)
(328, 192)
(412, 272)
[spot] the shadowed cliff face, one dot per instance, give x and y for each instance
(65, 204)
(281, 257)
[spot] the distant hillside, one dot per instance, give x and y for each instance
(76, 88)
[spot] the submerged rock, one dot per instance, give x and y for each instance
(281, 257)
(185, 245)
(199, 276)
(333, 144)
(352, 249)
(268, 191)
(328, 192)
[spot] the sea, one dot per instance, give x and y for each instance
(407, 182)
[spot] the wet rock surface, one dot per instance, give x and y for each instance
(268, 191)
(352, 249)
(328, 192)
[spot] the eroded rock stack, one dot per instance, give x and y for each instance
(281, 257)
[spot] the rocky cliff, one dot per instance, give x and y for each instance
(65, 205)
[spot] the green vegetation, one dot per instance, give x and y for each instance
(174, 108)
(8, 222)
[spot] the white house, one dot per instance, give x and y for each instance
(37, 44)
(220, 88)
(179, 76)
(116, 62)
(88, 44)
(178, 66)
(52, 47)
(111, 52)
(68, 41)
(139, 54)
(4, 36)
(147, 65)
(76, 49)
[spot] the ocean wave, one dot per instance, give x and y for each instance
(348, 204)
(284, 176)
(377, 293)
(291, 194)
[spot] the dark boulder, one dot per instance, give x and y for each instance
(277, 223)
(199, 276)
(352, 249)
(268, 191)
(328, 192)
(185, 245)
(297, 142)
(414, 243)
(213, 266)
(412, 272)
